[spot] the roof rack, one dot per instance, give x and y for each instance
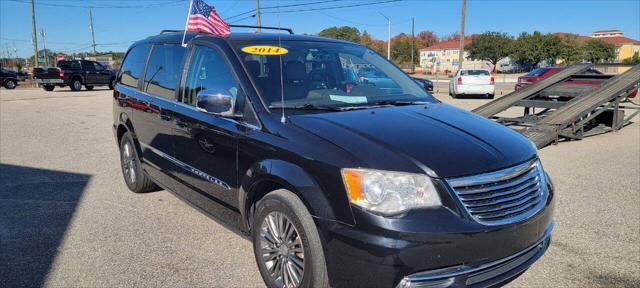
(264, 27)
(238, 26)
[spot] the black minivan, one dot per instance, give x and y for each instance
(338, 180)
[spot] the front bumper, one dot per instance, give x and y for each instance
(484, 275)
(426, 245)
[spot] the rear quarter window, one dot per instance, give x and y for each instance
(133, 65)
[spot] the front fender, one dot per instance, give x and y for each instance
(288, 175)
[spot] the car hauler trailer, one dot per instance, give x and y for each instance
(572, 104)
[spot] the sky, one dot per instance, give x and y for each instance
(118, 23)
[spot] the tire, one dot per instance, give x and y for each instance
(88, 87)
(112, 83)
(10, 84)
(491, 96)
(137, 182)
(48, 87)
(283, 205)
(76, 84)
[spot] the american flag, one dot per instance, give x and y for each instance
(204, 18)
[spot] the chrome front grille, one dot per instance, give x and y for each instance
(504, 196)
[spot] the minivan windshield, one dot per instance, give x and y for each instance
(325, 75)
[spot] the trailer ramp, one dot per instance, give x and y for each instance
(574, 117)
(494, 107)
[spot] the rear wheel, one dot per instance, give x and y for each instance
(286, 243)
(88, 87)
(491, 96)
(48, 87)
(76, 84)
(134, 176)
(10, 84)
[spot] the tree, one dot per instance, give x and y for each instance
(490, 46)
(366, 39)
(426, 39)
(374, 44)
(379, 46)
(343, 33)
(633, 60)
(450, 37)
(596, 50)
(535, 48)
(401, 49)
(570, 51)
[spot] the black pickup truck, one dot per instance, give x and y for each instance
(74, 73)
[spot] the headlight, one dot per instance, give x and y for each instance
(388, 192)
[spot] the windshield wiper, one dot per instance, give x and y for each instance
(396, 103)
(307, 107)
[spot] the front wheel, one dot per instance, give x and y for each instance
(112, 83)
(88, 87)
(286, 243)
(10, 84)
(491, 96)
(48, 87)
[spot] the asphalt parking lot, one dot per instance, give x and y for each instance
(68, 220)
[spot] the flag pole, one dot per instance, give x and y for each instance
(186, 23)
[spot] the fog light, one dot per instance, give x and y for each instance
(440, 283)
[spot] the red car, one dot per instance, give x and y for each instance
(541, 73)
(536, 75)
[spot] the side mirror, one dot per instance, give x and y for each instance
(217, 101)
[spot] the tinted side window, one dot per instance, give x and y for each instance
(69, 64)
(97, 66)
(133, 65)
(163, 72)
(88, 66)
(208, 71)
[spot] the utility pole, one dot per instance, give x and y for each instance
(413, 40)
(44, 48)
(389, 36)
(258, 15)
(93, 34)
(34, 36)
(461, 52)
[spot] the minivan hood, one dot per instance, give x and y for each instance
(450, 141)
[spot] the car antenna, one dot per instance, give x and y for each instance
(283, 120)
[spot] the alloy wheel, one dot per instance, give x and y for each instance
(11, 84)
(129, 163)
(77, 85)
(281, 250)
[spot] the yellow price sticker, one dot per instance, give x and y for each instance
(265, 50)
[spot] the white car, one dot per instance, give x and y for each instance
(472, 82)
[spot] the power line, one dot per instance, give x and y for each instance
(335, 7)
(280, 6)
(150, 5)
